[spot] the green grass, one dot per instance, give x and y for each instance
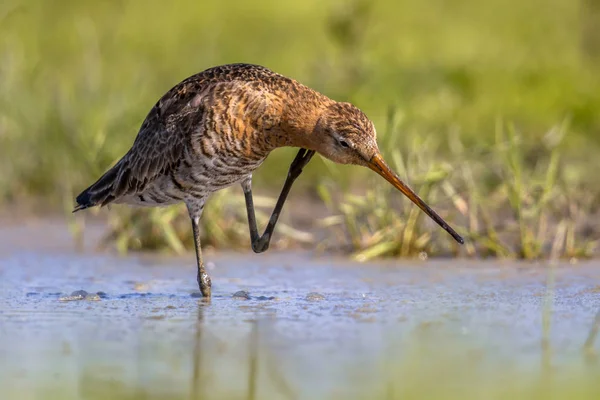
(77, 79)
(224, 224)
(506, 203)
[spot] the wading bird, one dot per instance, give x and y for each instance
(215, 128)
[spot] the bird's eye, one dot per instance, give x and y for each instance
(343, 143)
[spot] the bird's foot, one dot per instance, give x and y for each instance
(204, 282)
(262, 244)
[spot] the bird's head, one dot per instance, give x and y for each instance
(347, 136)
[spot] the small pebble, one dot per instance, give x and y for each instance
(92, 297)
(263, 298)
(69, 298)
(75, 296)
(80, 295)
(313, 296)
(140, 287)
(242, 294)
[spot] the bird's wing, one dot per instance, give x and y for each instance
(165, 134)
(160, 144)
(158, 148)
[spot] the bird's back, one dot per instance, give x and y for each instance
(205, 133)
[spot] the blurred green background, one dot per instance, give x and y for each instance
(77, 78)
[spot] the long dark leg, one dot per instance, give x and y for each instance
(261, 243)
(204, 282)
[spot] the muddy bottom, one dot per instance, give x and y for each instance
(284, 325)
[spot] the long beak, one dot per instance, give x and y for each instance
(378, 165)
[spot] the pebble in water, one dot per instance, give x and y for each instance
(314, 296)
(81, 295)
(141, 287)
(92, 297)
(242, 294)
(263, 298)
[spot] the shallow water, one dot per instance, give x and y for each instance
(307, 326)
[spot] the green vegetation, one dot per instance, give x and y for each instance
(491, 110)
(507, 203)
(224, 224)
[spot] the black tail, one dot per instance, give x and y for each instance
(100, 193)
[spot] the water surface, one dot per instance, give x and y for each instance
(306, 326)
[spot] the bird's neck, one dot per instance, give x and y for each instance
(300, 114)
